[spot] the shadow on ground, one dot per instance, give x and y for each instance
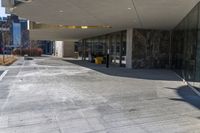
(1, 72)
(187, 95)
(150, 74)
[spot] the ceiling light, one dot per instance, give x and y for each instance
(61, 11)
(38, 25)
(72, 27)
(129, 8)
(12, 8)
(84, 27)
(37, 22)
(25, 1)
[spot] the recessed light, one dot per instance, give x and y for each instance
(84, 27)
(25, 1)
(12, 8)
(61, 11)
(38, 22)
(129, 8)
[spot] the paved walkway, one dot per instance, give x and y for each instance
(48, 95)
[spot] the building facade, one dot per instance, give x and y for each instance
(135, 34)
(14, 33)
(149, 48)
(186, 47)
(177, 49)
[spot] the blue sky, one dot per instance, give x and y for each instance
(2, 11)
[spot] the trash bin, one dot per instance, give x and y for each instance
(98, 60)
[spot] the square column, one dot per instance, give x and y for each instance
(59, 52)
(129, 48)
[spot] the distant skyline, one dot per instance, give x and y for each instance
(2, 11)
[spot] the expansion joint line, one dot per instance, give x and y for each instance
(137, 13)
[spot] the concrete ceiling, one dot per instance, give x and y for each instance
(120, 14)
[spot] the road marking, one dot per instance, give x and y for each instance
(3, 74)
(10, 91)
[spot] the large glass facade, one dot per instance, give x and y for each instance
(98, 46)
(186, 48)
(151, 48)
(118, 48)
(178, 49)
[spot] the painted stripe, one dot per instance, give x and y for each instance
(3, 74)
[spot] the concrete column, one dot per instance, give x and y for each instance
(59, 52)
(68, 47)
(129, 48)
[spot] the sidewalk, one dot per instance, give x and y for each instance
(48, 95)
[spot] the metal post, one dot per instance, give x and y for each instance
(107, 58)
(121, 48)
(170, 50)
(84, 50)
(82, 47)
(108, 52)
(84, 44)
(30, 49)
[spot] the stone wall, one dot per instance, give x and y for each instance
(151, 48)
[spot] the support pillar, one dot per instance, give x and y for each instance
(129, 48)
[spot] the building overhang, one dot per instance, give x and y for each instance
(118, 14)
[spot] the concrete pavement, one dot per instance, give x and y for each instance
(48, 95)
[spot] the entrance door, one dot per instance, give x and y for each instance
(118, 49)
